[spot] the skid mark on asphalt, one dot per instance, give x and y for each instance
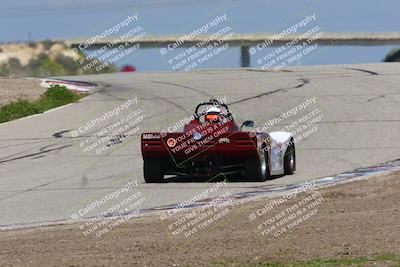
(24, 191)
(107, 92)
(34, 142)
(38, 157)
(186, 87)
(18, 192)
(44, 151)
(60, 134)
(174, 104)
(14, 156)
(363, 70)
(375, 98)
(300, 85)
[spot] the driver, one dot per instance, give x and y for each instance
(213, 114)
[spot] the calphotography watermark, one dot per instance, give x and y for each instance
(301, 122)
(202, 217)
(112, 44)
(292, 51)
(111, 127)
(196, 198)
(283, 214)
(110, 211)
(305, 125)
(203, 135)
(183, 57)
(308, 102)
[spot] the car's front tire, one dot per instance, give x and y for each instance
(153, 170)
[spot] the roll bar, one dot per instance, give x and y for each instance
(212, 102)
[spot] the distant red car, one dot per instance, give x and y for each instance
(128, 68)
(208, 147)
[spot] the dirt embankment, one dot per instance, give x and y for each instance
(353, 224)
(13, 89)
(26, 52)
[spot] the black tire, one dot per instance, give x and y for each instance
(257, 169)
(153, 170)
(290, 159)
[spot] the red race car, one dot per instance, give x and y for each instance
(212, 144)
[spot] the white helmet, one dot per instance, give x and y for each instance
(213, 114)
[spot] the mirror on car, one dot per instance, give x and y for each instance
(247, 124)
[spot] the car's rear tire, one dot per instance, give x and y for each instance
(290, 159)
(257, 169)
(153, 170)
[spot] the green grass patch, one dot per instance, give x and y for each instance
(54, 97)
(390, 259)
(331, 262)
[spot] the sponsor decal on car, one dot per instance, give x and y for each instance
(196, 136)
(151, 136)
(171, 142)
(224, 140)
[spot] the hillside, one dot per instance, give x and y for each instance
(42, 59)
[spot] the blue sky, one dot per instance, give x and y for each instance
(75, 18)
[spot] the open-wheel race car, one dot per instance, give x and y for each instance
(212, 144)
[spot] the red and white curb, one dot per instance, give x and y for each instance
(71, 85)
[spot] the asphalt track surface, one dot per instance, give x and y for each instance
(45, 175)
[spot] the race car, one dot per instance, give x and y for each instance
(212, 144)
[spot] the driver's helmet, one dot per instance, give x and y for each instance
(213, 114)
